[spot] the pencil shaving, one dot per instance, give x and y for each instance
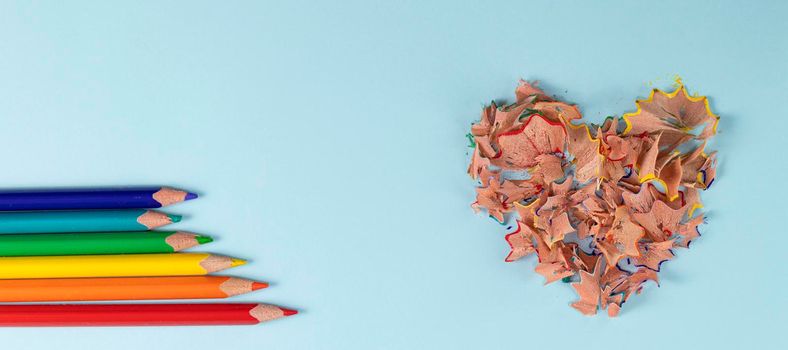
(602, 206)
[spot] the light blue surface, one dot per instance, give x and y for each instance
(327, 144)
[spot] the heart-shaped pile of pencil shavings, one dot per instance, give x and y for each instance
(602, 206)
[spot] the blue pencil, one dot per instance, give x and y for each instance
(84, 221)
(97, 198)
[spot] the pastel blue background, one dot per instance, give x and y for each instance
(327, 140)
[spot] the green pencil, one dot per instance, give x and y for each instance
(83, 221)
(95, 243)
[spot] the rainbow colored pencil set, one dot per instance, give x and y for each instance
(86, 245)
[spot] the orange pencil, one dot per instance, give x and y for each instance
(124, 288)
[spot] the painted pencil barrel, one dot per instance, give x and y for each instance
(139, 314)
(83, 221)
(93, 243)
(131, 265)
(97, 198)
(124, 288)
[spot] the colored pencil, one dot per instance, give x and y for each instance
(139, 314)
(131, 265)
(93, 198)
(124, 288)
(89, 243)
(83, 221)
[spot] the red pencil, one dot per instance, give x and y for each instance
(139, 314)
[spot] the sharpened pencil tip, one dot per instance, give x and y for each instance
(190, 196)
(175, 218)
(203, 239)
(288, 312)
(259, 285)
(237, 262)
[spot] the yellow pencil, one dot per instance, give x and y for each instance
(180, 264)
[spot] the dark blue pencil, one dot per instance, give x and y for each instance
(98, 198)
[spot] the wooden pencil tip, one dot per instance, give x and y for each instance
(236, 286)
(152, 219)
(259, 285)
(213, 263)
(237, 262)
(167, 196)
(184, 240)
(288, 312)
(267, 312)
(203, 239)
